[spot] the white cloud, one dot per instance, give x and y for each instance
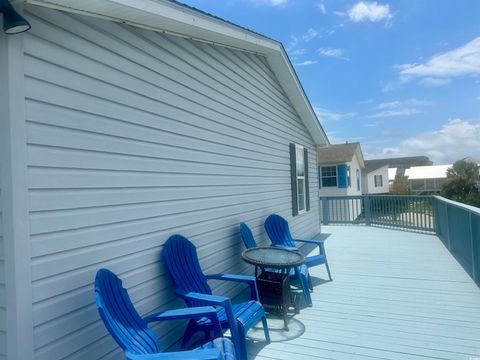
(298, 52)
(310, 35)
(325, 115)
(335, 53)
(398, 104)
(395, 112)
(399, 108)
(322, 8)
(455, 140)
(296, 40)
(462, 61)
(306, 63)
(368, 11)
(434, 82)
(270, 2)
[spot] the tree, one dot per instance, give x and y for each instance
(461, 183)
(400, 185)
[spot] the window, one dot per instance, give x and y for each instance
(357, 174)
(300, 167)
(378, 180)
(329, 176)
(349, 180)
(299, 179)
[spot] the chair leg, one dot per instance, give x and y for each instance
(328, 270)
(305, 286)
(310, 285)
(265, 329)
(189, 332)
(242, 344)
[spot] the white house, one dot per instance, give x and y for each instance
(376, 178)
(426, 179)
(340, 169)
(122, 123)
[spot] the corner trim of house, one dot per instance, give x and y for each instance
(14, 182)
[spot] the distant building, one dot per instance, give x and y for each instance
(389, 168)
(340, 169)
(426, 179)
(376, 180)
(340, 173)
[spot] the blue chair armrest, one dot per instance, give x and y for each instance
(206, 354)
(205, 299)
(250, 280)
(320, 243)
(190, 313)
(214, 300)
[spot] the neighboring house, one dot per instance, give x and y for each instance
(426, 179)
(340, 168)
(124, 122)
(400, 163)
(376, 178)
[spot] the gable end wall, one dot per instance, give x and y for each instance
(134, 136)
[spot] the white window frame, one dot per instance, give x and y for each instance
(329, 177)
(299, 151)
(378, 183)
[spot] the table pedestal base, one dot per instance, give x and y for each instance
(275, 294)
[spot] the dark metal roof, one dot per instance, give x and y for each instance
(400, 162)
(337, 153)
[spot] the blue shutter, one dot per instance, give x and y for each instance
(342, 176)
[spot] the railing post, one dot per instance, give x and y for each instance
(366, 205)
(447, 224)
(325, 211)
(473, 245)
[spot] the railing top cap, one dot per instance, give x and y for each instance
(471, 208)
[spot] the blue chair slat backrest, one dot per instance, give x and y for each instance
(278, 231)
(247, 236)
(123, 322)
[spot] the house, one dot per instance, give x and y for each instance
(426, 179)
(340, 173)
(340, 169)
(376, 178)
(126, 122)
(398, 165)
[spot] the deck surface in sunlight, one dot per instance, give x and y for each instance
(394, 295)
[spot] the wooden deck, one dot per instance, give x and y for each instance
(395, 295)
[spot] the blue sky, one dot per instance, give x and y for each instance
(400, 77)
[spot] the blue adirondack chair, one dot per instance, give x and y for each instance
(303, 276)
(132, 334)
(181, 261)
(279, 233)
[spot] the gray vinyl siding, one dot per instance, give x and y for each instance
(3, 295)
(134, 136)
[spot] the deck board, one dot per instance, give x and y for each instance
(395, 295)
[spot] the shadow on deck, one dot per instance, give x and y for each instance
(394, 295)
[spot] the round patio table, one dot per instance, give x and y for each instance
(274, 281)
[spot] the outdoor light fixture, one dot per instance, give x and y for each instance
(13, 22)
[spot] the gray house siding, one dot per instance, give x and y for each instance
(133, 136)
(3, 295)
